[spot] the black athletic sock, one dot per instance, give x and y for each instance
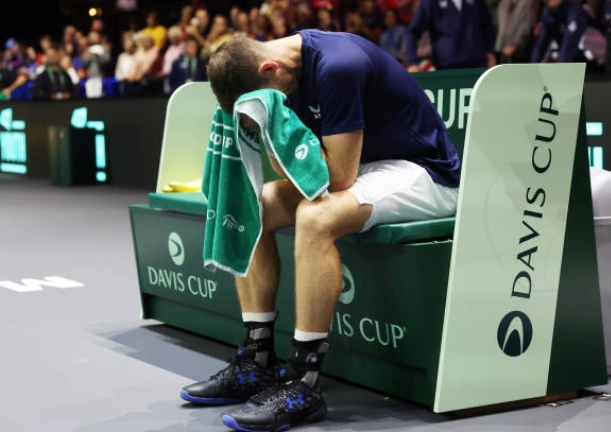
(259, 343)
(305, 359)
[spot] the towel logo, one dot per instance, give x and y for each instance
(315, 111)
(231, 223)
(348, 287)
(301, 152)
(176, 249)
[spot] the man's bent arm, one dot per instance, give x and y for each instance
(343, 154)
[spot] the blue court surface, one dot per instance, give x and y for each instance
(76, 357)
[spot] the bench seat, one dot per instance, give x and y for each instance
(406, 232)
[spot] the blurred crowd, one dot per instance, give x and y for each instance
(158, 51)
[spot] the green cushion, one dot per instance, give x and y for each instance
(406, 232)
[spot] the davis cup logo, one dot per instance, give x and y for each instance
(515, 333)
(348, 287)
(301, 152)
(176, 249)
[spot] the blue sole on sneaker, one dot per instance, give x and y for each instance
(230, 422)
(207, 401)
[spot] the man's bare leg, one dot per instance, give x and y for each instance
(318, 278)
(257, 291)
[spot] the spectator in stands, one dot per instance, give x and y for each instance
(354, 23)
(200, 24)
(461, 33)
(44, 42)
(186, 15)
(175, 49)
(563, 25)
(30, 62)
(373, 20)
(516, 21)
(125, 62)
(234, 17)
(95, 58)
(189, 67)
(325, 21)
(262, 28)
(304, 17)
(69, 39)
(406, 9)
(10, 80)
(243, 26)
(158, 32)
(279, 27)
(393, 38)
(146, 78)
(66, 63)
(14, 55)
(98, 26)
(77, 59)
(53, 83)
(219, 34)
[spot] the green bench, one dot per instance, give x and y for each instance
(445, 313)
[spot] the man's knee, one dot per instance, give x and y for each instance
(314, 219)
(279, 205)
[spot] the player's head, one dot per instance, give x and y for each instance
(233, 70)
(242, 65)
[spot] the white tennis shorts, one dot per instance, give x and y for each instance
(401, 191)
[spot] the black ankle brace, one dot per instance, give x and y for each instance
(258, 343)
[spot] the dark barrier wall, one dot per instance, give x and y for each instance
(134, 130)
(598, 110)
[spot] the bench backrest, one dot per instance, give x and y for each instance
(191, 107)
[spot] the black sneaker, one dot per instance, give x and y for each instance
(236, 383)
(278, 408)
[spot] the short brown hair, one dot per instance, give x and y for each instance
(233, 70)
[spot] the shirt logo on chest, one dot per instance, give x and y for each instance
(315, 111)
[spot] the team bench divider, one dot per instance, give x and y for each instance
(446, 313)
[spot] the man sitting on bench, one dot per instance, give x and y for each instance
(390, 160)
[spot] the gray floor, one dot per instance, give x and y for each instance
(80, 359)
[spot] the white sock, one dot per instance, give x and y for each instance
(303, 336)
(259, 317)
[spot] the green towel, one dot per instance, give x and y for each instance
(233, 174)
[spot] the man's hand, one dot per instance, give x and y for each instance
(508, 50)
(413, 68)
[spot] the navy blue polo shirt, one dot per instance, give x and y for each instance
(348, 83)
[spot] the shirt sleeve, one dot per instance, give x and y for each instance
(340, 91)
